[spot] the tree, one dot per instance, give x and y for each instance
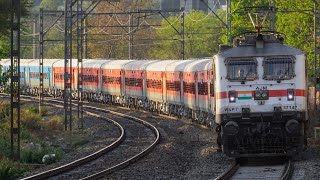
(113, 41)
(52, 4)
(5, 14)
(5, 23)
(296, 25)
(202, 36)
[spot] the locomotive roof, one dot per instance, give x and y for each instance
(115, 64)
(197, 65)
(138, 64)
(269, 49)
(160, 65)
(178, 66)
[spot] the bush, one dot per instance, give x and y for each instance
(9, 171)
(33, 109)
(4, 142)
(30, 120)
(80, 142)
(35, 154)
(54, 123)
(44, 111)
(25, 134)
(32, 156)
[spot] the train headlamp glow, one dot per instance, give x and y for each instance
(290, 94)
(258, 95)
(264, 95)
(232, 96)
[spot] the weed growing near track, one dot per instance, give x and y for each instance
(37, 132)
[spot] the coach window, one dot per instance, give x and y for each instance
(278, 68)
(241, 69)
(117, 80)
(104, 79)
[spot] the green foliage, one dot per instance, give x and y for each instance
(31, 119)
(4, 141)
(33, 109)
(4, 47)
(35, 154)
(80, 141)
(52, 5)
(5, 14)
(297, 26)
(44, 111)
(54, 123)
(202, 36)
(8, 170)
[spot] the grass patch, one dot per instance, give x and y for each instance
(41, 135)
(79, 141)
(44, 111)
(9, 170)
(55, 123)
(35, 153)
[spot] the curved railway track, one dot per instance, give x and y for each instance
(67, 170)
(241, 171)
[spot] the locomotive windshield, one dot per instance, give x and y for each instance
(278, 68)
(241, 69)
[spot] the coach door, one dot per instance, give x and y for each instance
(181, 100)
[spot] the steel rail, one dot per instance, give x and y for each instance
(288, 171)
(230, 172)
(84, 160)
(134, 158)
(99, 153)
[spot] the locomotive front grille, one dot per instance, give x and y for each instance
(268, 136)
(256, 145)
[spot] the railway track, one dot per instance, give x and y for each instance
(94, 165)
(258, 170)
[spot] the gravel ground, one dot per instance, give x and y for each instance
(186, 151)
(307, 164)
(100, 133)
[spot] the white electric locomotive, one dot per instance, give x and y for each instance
(260, 97)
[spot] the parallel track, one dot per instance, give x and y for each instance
(100, 153)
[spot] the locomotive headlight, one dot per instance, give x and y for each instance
(264, 95)
(290, 94)
(261, 95)
(232, 96)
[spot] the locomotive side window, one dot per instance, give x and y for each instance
(278, 68)
(241, 69)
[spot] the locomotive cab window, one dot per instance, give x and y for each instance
(241, 69)
(278, 68)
